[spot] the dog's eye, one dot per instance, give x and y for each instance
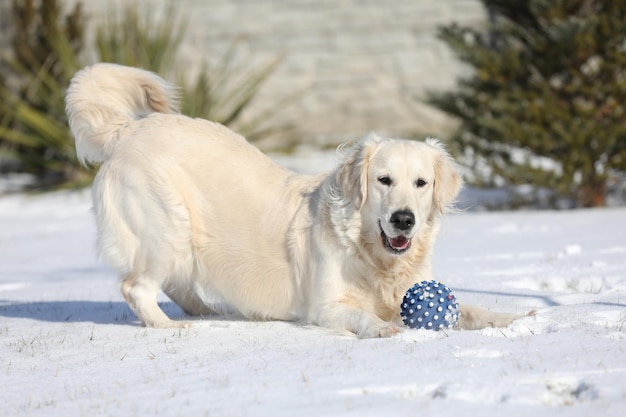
(420, 183)
(384, 180)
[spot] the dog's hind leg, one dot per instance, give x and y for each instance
(140, 292)
(474, 318)
(188, 300)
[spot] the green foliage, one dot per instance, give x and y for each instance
(33, 128)
(47, 52)
(219, 93)
(545, 103)
(141, 39)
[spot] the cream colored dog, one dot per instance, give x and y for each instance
(189, 207)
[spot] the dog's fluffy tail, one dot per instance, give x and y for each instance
(103, 98)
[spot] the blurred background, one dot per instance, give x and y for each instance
(529, 96)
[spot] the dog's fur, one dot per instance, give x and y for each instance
(190, 207)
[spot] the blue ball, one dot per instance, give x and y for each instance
(429, 305)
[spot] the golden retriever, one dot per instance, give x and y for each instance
(190, 207)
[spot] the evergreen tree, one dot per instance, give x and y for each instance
(545, 104)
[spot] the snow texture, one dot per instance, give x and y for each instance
(70, 346)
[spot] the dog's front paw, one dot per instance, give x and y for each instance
(379, 330)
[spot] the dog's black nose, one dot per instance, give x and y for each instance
(402, 220)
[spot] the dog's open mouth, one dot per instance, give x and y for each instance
(396, 245)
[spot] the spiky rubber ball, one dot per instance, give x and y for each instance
(429, 305)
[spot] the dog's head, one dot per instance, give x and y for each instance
(396, 186)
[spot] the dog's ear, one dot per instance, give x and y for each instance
(351, 175)
(448, 180)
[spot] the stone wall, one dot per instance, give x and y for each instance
(362, 65)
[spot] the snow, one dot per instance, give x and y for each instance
(70, 346)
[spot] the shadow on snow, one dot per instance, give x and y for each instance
(99, 312)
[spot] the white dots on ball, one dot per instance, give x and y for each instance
(439, 309)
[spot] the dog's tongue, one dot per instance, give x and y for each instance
(399, 242)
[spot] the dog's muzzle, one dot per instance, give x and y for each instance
(402, 222)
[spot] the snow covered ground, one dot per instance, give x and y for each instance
(69, 345)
